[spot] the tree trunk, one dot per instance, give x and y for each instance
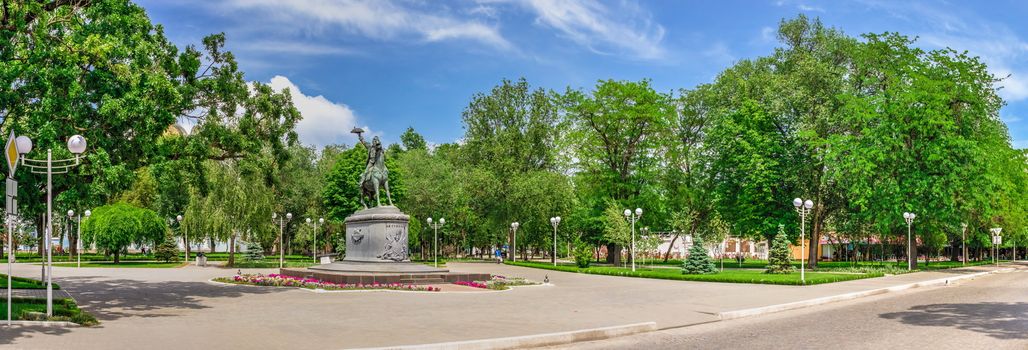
(613, 254)
(185, 243)
(671, 246)
(117, 256)
(231, 251)
(212, 244)
(815, 238)
(912, 252)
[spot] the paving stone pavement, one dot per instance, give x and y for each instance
(177, 308)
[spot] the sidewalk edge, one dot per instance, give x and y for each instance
(535, 340)
(763, 310)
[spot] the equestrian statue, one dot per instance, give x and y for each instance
(375, 175)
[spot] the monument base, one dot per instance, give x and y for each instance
(385, 277)
(377, 267)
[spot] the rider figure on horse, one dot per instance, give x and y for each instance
(375, 175)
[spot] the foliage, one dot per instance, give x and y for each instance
(778, 259)
(254, 252)
(698, 261)
(583, 254)
(167, 251)
(112, 228)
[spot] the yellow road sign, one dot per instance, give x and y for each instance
(11, 153)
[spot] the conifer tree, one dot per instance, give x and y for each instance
(778, 260)
(698, 262)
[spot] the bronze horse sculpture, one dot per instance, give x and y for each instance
(375, 176)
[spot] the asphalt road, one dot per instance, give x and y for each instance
(989, 312)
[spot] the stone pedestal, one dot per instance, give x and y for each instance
(376, 242)
(377, 235)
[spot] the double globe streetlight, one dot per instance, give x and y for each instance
(911, 253)
(803, 207)
(50, 166)
(78, 234)
(281, 242)
(554, 221)
(633, 217)
(435, 239)
(316, 223)
(514, 247)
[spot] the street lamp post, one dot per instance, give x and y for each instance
(909, 217)
(320, 221)
(281, 241)
(435, 239)
(185, 236)
(997, 239)
(50, 166)
(633, 217)
(803, 208)
(963, 243)
(514, 248)
(554, 221)
(78, 234)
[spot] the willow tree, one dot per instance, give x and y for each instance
(112, 228)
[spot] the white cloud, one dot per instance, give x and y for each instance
(324, 121)
(295, 48)
(378, 19)
(627, 29)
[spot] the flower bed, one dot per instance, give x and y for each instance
(277, 280)
(498, 283)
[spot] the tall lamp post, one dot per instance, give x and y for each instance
(316, 223)
(909, 217)
(435, 239)
(803, 208)
(997, 239)
(963, 243)
(78, 234)
(554, 221)
(281, 241)
(185, 236)
(514, 249)
(633, 217)
(50, 166)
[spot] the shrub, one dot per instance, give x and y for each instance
(698, 262)
(778, 260)
(583, 254)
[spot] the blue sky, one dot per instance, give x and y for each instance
(389, 64)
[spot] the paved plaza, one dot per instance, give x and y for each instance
(178, 308)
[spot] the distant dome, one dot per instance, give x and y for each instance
(175, 129)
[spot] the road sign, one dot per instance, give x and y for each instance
(11, 154)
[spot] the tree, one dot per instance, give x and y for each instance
(412, 140)
(614, 130)
(112, 228)
(778, 260)
(254, 252)
(166, 251)
(698, 261)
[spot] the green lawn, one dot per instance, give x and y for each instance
(23, 283)
(728, 275)
(64, 310)
(892, 267)
(124, 264)
(220, 256)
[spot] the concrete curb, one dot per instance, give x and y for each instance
(40, 323)
(535, 340)
(730, 315)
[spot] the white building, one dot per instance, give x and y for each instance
(731, 247)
